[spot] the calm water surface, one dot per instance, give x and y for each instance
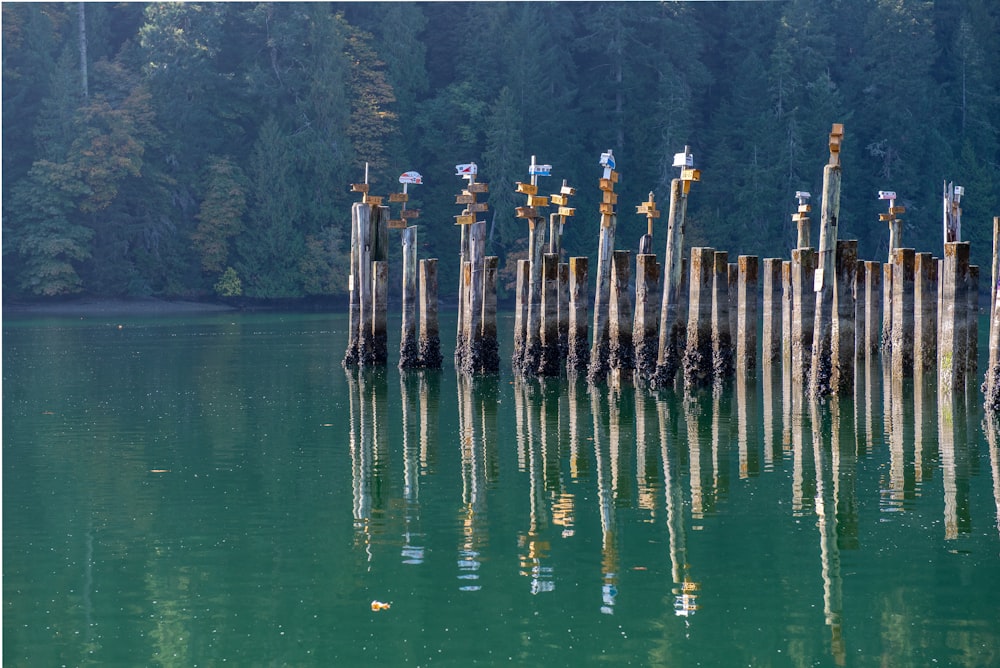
(217, 489)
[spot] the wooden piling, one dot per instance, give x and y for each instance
(380, 329)
(363, 284)
(825, 279)
(430, 335)
(532, 333)
(563, 307)
(860, 315)
(621, 353)
(991, 383)
(577, 351)
(722, 336)
(409, 353)
(771, 303)
(359, 211)
(803, 268)
(698, 350)
(489, 359)
(520, 313)
(844, 326)
(902, 313)
(645, 336)
(873, 306)
(925, 289)
(952, 322)
(972, 318)
(598, 369)
(887, 307)
(734, 295)
(787, 309)
(548, 364)
(474, 283)
(670, 346)
(746, 320)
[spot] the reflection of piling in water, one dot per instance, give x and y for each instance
(899, 486)
(992, 438)
(621, 353)
(925, 321)
(772, 437)
(954, 448)
(771, 306)
(577, 352)
(645, 332)
(412, 550)
(747, 437)
(605, 498)
(902, 312)
(924, 424)
(685, 599)
(746, 317)
(698, 351)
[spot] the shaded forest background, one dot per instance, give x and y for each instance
(206, 149)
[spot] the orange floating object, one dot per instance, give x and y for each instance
(378, 606)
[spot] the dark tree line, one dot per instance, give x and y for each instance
(195, 149)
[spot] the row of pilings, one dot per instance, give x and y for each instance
(690, 322)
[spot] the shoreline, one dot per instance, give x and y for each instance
(97, 306)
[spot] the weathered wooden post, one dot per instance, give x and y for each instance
(473, 272)
(468, 199)
(536, 248)
(409, 355)
(621, 353)
(873, 305)
(577, 352)
(826, 274)
(787, 308)
(895, 241)
(952, 212)
(489, 356)
(645, 337)
(860, 315)
(722, 336)
(843, 340)
(772, 322)
(972, 318)
(598, 369)
(925, 289)
(360, 213)
(953, 321)
(430, 335)
(733, 274)
(672, 319)
(746, 319)
(991, 384)
(549, 360)
(803, 269)
(698, 349)
(521, 313)
(902, 313)
(380, 321)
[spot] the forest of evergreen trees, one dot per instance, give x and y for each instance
(206, 149)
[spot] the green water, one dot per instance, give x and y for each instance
(218, 490)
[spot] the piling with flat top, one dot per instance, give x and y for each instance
(844, 327)
(698, 350)
(645, 335)
(734, 295)
(746, 319)
(621, 353)
(548, 364)
(972, 318)
(787, 308)
(430, 335)
(771, 325)
(925, 291)
(953, 331)
(873, 306)
(563, 306)
(722, 333)
(489, 359)
(520, 313)
(803, 269)
(902, 313)
(577, 350)
(860, 316)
